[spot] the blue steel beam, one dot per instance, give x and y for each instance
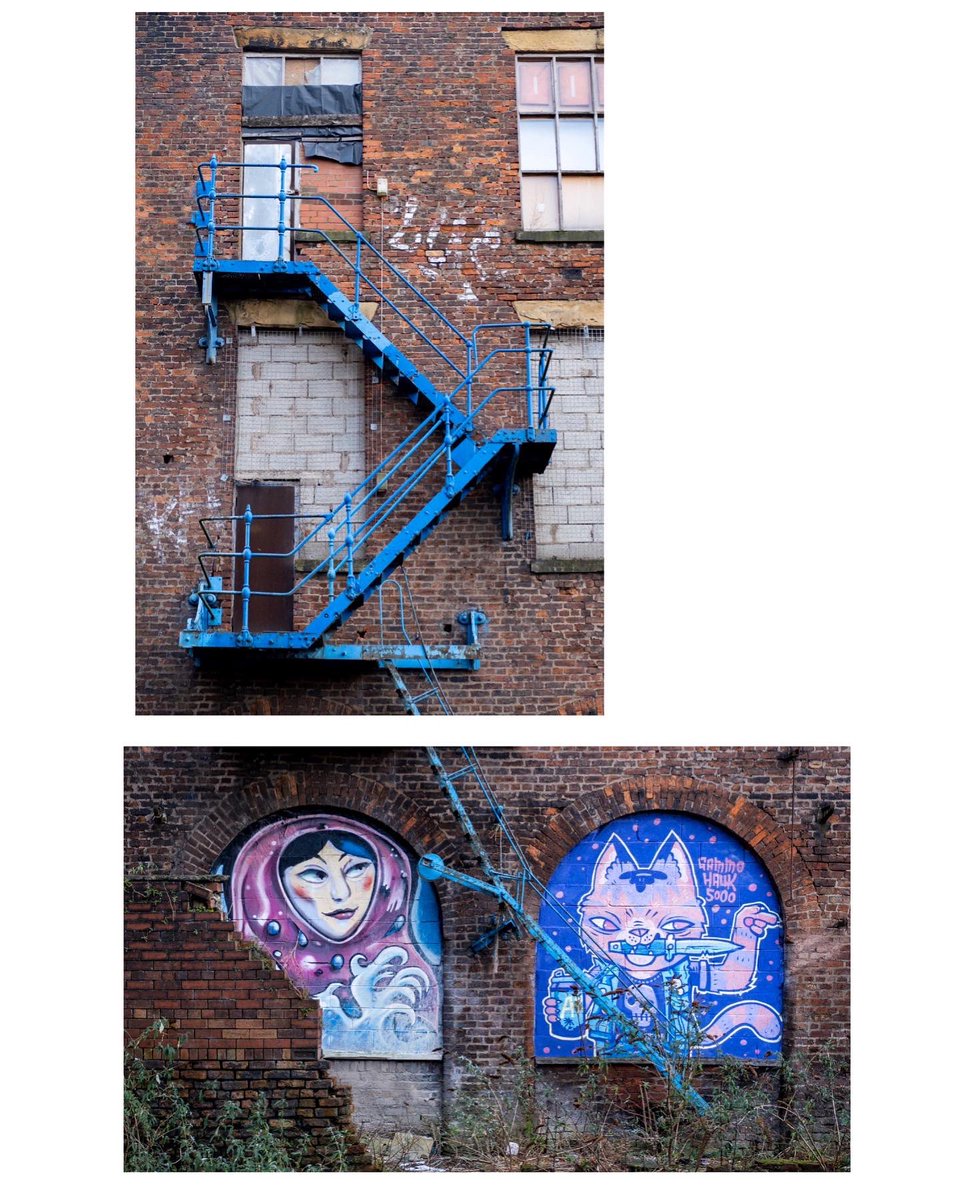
(432, 868)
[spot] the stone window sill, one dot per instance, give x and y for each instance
(554, 236)
(567, 566)
(335, 235)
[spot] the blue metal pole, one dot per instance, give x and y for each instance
(332, 568)
(448, 447)
(348, 543)
(283, 199)
(247, 556)
(526, 336)
(432, 867)
(356, 282)
(213, 201)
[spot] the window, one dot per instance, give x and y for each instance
(305, 110)
(560, 106)
(290, 85)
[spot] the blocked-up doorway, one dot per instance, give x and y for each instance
(299, 446)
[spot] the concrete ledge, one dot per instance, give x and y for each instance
(567, 566)
(552, 41)
(339, 235)
(562, 314)
(287, 314)
(257, 37)
(560, 235)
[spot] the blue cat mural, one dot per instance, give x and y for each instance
(679, 924)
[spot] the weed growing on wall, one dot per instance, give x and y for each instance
(793, 1118)
(163, 1132)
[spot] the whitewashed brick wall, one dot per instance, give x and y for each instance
(300, 413)
(568, 496)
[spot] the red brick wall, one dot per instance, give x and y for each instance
(440, 123)
(185, 806)
(245, 1030)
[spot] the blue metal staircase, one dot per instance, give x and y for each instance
(405, 497)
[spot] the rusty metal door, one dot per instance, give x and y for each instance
(267, 613)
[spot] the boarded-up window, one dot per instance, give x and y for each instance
(568, 497)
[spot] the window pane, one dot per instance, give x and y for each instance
(600, 84)
(573, 84)
(536, 85)
(538, 194)
(262, 72)
(302, 70)
(577, 152)
(538, 146)
(600, 143)
(261, 177)
(583, 202)
(341, 70)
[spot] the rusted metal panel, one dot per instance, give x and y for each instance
(274, 536)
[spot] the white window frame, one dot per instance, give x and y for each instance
(555, 117)
(321, 58)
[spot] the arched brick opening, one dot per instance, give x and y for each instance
(387, 1093)
(804, 933)
(225, 818)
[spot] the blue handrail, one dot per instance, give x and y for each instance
(207, 193)
(345, 531)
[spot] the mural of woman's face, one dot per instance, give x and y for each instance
(332, 890)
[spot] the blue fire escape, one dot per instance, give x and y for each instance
(485, 420)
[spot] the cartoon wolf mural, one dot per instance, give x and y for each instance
(668, 935)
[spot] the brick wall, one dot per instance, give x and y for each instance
(244, 1030)
(440, 124)
(184, 806)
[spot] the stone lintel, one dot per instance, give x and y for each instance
(563, 314)
(287, 314)
(552, 41)
(270, 37)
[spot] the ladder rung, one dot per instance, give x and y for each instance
(459, 774)
(424, 695)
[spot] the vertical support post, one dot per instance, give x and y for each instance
(448, 448)
(212, 224)
(527, 356)
(356, 277)
(471, 367)
(282, 197)
(247, 556)
(348, 543)
(332, 566)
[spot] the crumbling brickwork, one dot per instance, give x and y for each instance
(243, 1030)
(790, 808)
(440, 125)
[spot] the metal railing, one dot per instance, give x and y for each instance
(462, 355)
(349, 532)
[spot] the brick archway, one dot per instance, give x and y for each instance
(286, 791)
(805, 937)
(677, 793)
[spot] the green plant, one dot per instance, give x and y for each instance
(162, 1132)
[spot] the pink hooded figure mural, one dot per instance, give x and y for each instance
(338, 906)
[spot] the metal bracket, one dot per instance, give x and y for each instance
(508, 489)
(489, 936)
(212, 341)
(206, 600)
(471, 620)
